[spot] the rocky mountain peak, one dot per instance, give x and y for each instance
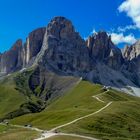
(22, 54)
(60, 27)
(102, 35)
(33, 44)
(99, 45)
(102, 49)
(132, 52)
(9, 59)
(63, 48)
(59, 48)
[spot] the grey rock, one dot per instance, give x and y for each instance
(64, 49)
(20, 56)
(61, 50)
(132, 52)
(131, 67)
(102, 49)
(10, 60)
(48, 85)
(33, 45)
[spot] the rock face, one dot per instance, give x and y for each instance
(60, 49)
(103, 50)
(10, 60)
(132, 52)
(21, 55)
(33, 45)
(131, 55)
(64, 49)
(47, 84)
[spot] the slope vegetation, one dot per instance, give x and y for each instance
(99, 113)
(21, 93)
(13, 133)
(120, 121)
(74, 104)
(86, 109)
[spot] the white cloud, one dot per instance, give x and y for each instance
(126, 28)
(132, 9)
(121, 38)
(118, 38)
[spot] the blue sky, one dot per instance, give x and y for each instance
(19, 17)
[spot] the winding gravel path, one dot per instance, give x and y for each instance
(78, 119)
(97, 96)
(51, 133)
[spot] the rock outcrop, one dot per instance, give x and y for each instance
(33, 46)
(60, 49)
(103, 50)
(11, 60)
(132, 52)
(131, 55)
(64, 49)
(22, 55)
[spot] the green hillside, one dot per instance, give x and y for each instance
(76, 103)
(16, 98)
(65, 138)
(119, 121)
(10, 99)
(13, 133)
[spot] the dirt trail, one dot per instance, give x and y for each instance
(51, 133)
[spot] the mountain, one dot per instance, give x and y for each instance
(132, 52)
(57, 81)
(60, 49)
(65, 52)
(64, 49)
(22, 54)
(131, 55)
(57, 52)
(103, 50)
(9, 60)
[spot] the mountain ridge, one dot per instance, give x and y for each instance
(61, 49)
(54, 83)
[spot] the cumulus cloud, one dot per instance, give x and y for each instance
(132, 9)
(118, 38)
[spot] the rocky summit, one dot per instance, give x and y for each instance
(58, 85)
(102, 49)
(60, 49)
(64, 49)
(22, 54)
(132, 52)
